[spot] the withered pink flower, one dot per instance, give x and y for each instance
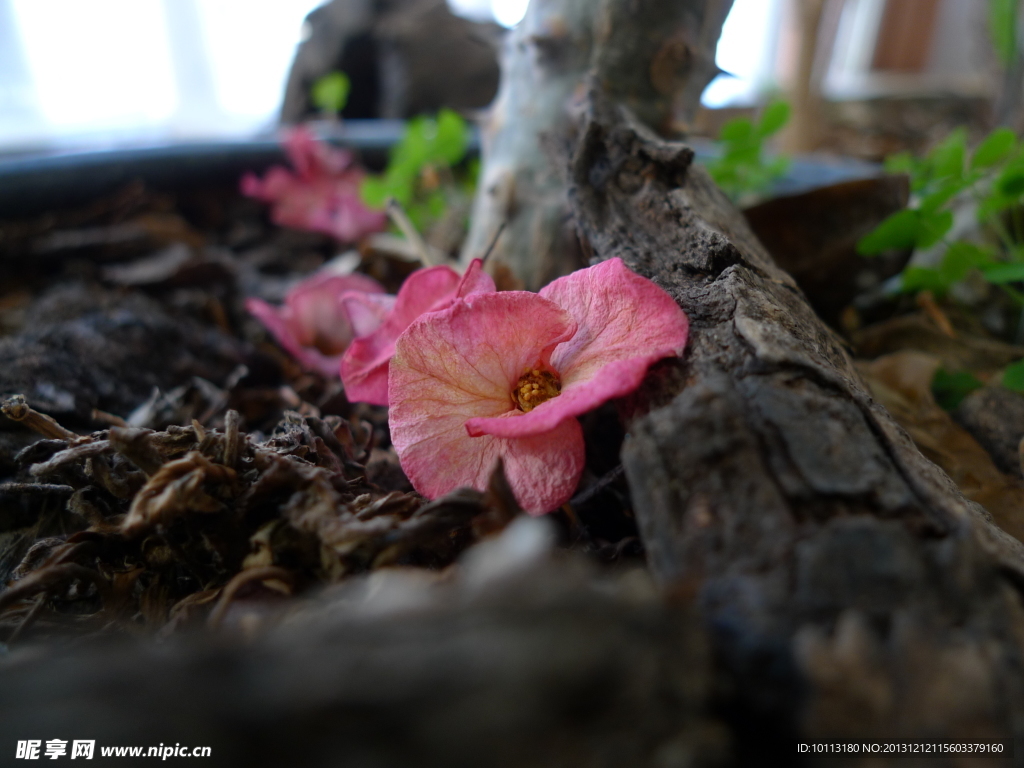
(364, 367)
(322, 315)
(322, 195)
(504, 375)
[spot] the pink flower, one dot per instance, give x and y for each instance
(364, 368)
(321, 316)
(503, 375)
(321, 196)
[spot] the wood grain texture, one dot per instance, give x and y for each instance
(831, 557)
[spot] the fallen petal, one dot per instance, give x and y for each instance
(313, 325)
(364, 368)
(322, 195)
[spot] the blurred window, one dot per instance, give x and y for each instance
(103, 72)
(746, 53)
(910, 48)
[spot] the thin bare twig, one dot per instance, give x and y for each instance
(16, 408)
(404, 223)
(494, 241)
(45, 579)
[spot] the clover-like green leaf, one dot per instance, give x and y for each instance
(961, 258)
(739, 129)
(947, 159)
(996, 147)
(774, 117)
(1013, 376)
(897, 231)
(932, 227)
(1011, 181)
(915, 279)
(330, 92)
(452, 137)
(1000, 274)
(950, 388)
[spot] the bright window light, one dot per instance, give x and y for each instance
(744, 51)
(508, 13)
(477, 10)
(97, 65)
(250, 44)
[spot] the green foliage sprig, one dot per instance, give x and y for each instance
(330, 93)
(742, 169)
(420, 168)
(993, 177)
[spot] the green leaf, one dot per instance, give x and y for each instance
(996, 147)
(741, 167)
(1002, 25)
(897, 231)
(775, 116)
(436, 205)
(947, 159)
(999, 274)
(1013, 376)
(401, 187)
(901, 162)
(950, 388)
(1011, 181)
(374, 192)
(330, 92)
(739, 129)
(932, 227)
(915, 279)
(947, 191)
(961, 258)
(452, 137)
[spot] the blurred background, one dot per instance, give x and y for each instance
(865, 77)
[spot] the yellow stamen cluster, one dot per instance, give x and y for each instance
(534, 387)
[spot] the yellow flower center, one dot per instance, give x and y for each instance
(534, 387)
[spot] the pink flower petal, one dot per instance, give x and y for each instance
(280, 322)
(323, 194)
(313, 324)
(364, 368)
(625, 321)
(475, 280)
(461, 363)
(367, 311)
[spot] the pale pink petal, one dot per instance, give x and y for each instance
(364, 369)
(311, 157)
(462, 363)
(299, 145)
(321, 196)
(281, 324)
(367, 311)
(313, 325)
(625, 322)
(475, 280)
(320, 315)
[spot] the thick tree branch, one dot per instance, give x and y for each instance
(821, 540)
(655, 56)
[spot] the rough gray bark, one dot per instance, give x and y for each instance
(654, 56)
(830, 556)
